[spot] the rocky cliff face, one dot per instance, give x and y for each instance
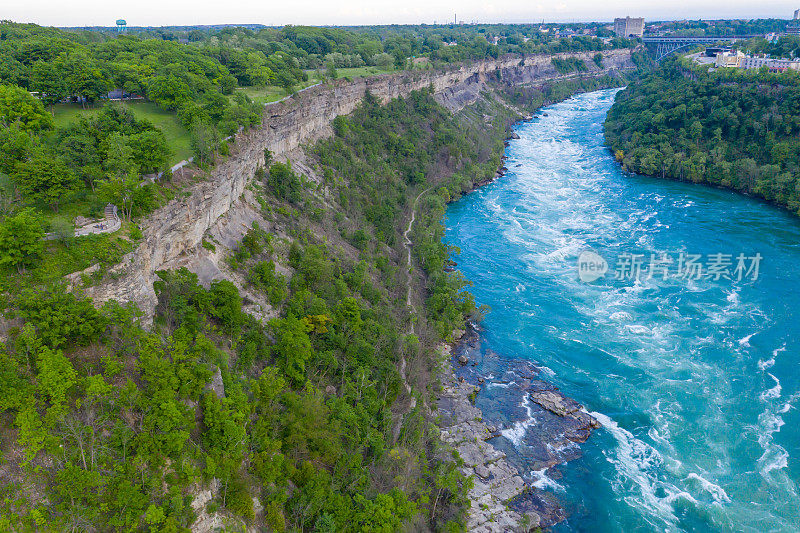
(175, 231)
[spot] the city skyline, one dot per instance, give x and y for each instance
(311, 12)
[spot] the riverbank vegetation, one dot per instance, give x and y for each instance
(697, 126)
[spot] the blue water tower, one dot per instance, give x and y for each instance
(121, 26)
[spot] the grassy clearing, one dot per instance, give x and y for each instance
(272, 93)
(176, 134)
(361, 72)
(263, 95)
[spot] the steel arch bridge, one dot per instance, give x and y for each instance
(661, 47)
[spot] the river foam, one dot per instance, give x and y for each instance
(694, 381)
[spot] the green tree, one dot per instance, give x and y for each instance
(384, 514)
(120, 191)
(264, 276)
(170, 92)
(55, 377)
(50, 83)
(32, 434)
(150, 150)
(83, 76)
(226, 304)
(60, 317)
(284, 183)
(16, 144)
(205, 141)
(46, 179)
(292, 346)
(16, 104)
(15, 389)
(330, 70)
(286, 82)
(21, 241)
(119, 156)
(260, 75)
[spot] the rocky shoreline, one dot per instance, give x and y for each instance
(496, 482)
(510, 447)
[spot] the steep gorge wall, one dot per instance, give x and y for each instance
(176, 230)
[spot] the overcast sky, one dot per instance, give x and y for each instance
(343, 12)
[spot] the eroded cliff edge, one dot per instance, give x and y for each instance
(174, 232)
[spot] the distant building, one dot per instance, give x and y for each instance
(629, 27)
(774, 65)
(736, 59)
(729, 59)
(121, 26)
(794, 26)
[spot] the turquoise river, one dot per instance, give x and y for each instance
(694, 379)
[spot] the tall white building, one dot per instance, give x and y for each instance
(628, 27)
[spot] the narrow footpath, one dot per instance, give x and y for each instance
(412, 314)
(413, 310)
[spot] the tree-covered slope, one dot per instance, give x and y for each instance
(298, 422)
(732, 129)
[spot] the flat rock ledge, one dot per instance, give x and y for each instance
(496, 482)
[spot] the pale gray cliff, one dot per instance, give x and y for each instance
(175, 231)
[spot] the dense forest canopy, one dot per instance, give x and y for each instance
(733, 128)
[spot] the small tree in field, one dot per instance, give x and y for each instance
(120, 191)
